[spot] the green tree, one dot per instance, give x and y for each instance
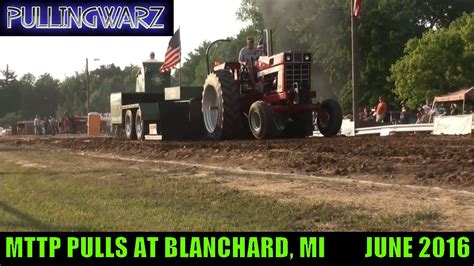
(103, 81)
(249, 11)
(10, 98)
(72, 96)
(195, 59)
(109, 79)
(439, 62)
(28, 99)
(46, 95)
(9, 120)
(7, 77)
(28, 78)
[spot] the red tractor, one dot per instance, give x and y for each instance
(271, 99)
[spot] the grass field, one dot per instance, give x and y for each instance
(60, 191)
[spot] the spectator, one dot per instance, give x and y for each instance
(365, 114)
(419, 116)
(47, 126)
(404, 114)
(53, 123)
(66, 125)
(361, 113)
(427, 107)
(381, 110)
(442, 110)
(37, 125)
(453, 109)
(43, 127)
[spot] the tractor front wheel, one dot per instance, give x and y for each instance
(329, 118)
(130, 125)
(261, 121)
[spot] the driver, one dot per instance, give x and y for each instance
(249, 54)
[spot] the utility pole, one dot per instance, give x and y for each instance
(87, 84)
(355, 69)
(6, 76)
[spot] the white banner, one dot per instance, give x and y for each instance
(453, 125)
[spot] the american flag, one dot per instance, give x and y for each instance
(173, 54)
(356, 8)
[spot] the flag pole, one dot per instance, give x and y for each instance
(355, 68)
(180, 58)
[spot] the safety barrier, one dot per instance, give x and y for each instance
(444, 126)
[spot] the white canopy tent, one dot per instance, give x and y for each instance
(464, 95)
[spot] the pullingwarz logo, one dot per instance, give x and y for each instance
(92, 17)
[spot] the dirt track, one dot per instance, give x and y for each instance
(418, 159)
(377, 176)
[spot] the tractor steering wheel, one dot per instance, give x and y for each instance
(244, 73)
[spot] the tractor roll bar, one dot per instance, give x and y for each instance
(209, 49)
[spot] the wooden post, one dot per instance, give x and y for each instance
(87, 84)
(463, 104)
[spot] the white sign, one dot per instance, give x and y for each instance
(347, 128)
(453, 125)
(385, 132)
(153, 129)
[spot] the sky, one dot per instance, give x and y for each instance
(63, 56)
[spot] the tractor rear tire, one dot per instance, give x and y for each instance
(141, 126)
(221, 106)
(331, 125)
(261, 121)
(130, 125)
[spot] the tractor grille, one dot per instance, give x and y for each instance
(297, 73)
(297, 57)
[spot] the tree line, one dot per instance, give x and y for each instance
(22, 98)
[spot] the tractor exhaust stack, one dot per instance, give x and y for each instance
(268, 39)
